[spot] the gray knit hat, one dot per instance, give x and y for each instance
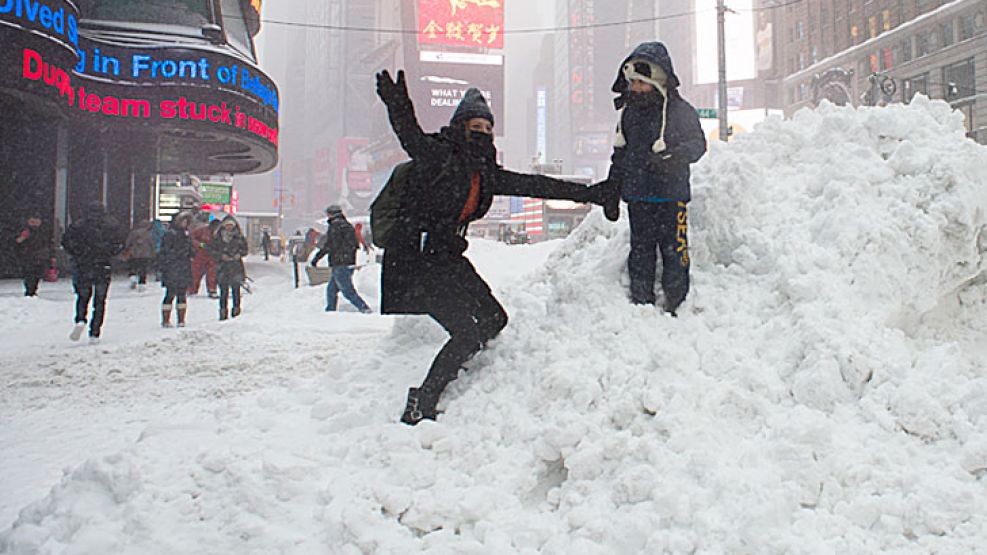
(473, 105)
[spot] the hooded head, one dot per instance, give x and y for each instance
(228, 228)
(181, 221)
(334, 211)
(650, 63)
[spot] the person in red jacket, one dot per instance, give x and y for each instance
(203, 263)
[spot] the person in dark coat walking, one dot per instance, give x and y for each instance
(658, 136)
(453, 180)
(340, 244)
(35, 253)
(92, 242)
(228, 247)
(175, 260)
(139, 252)
(265, 243)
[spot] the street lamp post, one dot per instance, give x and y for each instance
(721, 10)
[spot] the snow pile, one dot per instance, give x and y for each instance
(824, 389)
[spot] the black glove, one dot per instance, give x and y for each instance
(315, 263)
(390, 91)
(606, 194)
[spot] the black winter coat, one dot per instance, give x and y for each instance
(644, 175)
(339, 243)
(175, 259)
(37, 250)
(229, 257)
(439, 186)
(92, 243)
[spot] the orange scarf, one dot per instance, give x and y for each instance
(473, 201)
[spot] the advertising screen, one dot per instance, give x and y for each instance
(478, 23)
(439, 87)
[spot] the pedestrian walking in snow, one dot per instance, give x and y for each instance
(139, 252)
(203, 264)
(176, 258)
(340, 244)
(92, 242)
(658, 136)
(265, 243)
(228, 247)
(34, 249)
(450, 182)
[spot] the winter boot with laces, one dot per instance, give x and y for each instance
(420, 406)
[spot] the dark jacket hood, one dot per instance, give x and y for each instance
(654, 52)
(228, 218)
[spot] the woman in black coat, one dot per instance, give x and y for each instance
(452, 182)
(175, 261)
(228, 247)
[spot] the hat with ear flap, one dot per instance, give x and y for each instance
(640, 69)
(647, 72)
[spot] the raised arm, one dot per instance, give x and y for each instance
(401, 113)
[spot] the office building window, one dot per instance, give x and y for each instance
(906, 50)
(236, 27)
(922, 44)
(911, 87)
(886, 20)
(959, 80)
(968, 26)
(190, 13)
(872, 25)
(947, 33)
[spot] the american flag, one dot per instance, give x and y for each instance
(529, 212)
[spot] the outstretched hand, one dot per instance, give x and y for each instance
(389, 90)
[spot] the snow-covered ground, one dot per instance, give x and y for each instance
(824, 389)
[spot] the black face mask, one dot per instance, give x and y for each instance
(481, 146)
(644, 100)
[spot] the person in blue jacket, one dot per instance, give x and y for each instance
(658, 136)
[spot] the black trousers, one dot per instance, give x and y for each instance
(139, 267)
(226, 290)
(462, 303)
(91, 285)
(179, 294)
(33, 273)
(658, 227)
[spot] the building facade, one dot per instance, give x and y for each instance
(99, 97)
(879, 51)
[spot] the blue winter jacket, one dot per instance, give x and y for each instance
(644, 175)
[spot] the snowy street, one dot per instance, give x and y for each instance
(823, 390)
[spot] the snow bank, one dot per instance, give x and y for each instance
(824, 389)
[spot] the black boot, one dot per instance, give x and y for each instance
(421, 406)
